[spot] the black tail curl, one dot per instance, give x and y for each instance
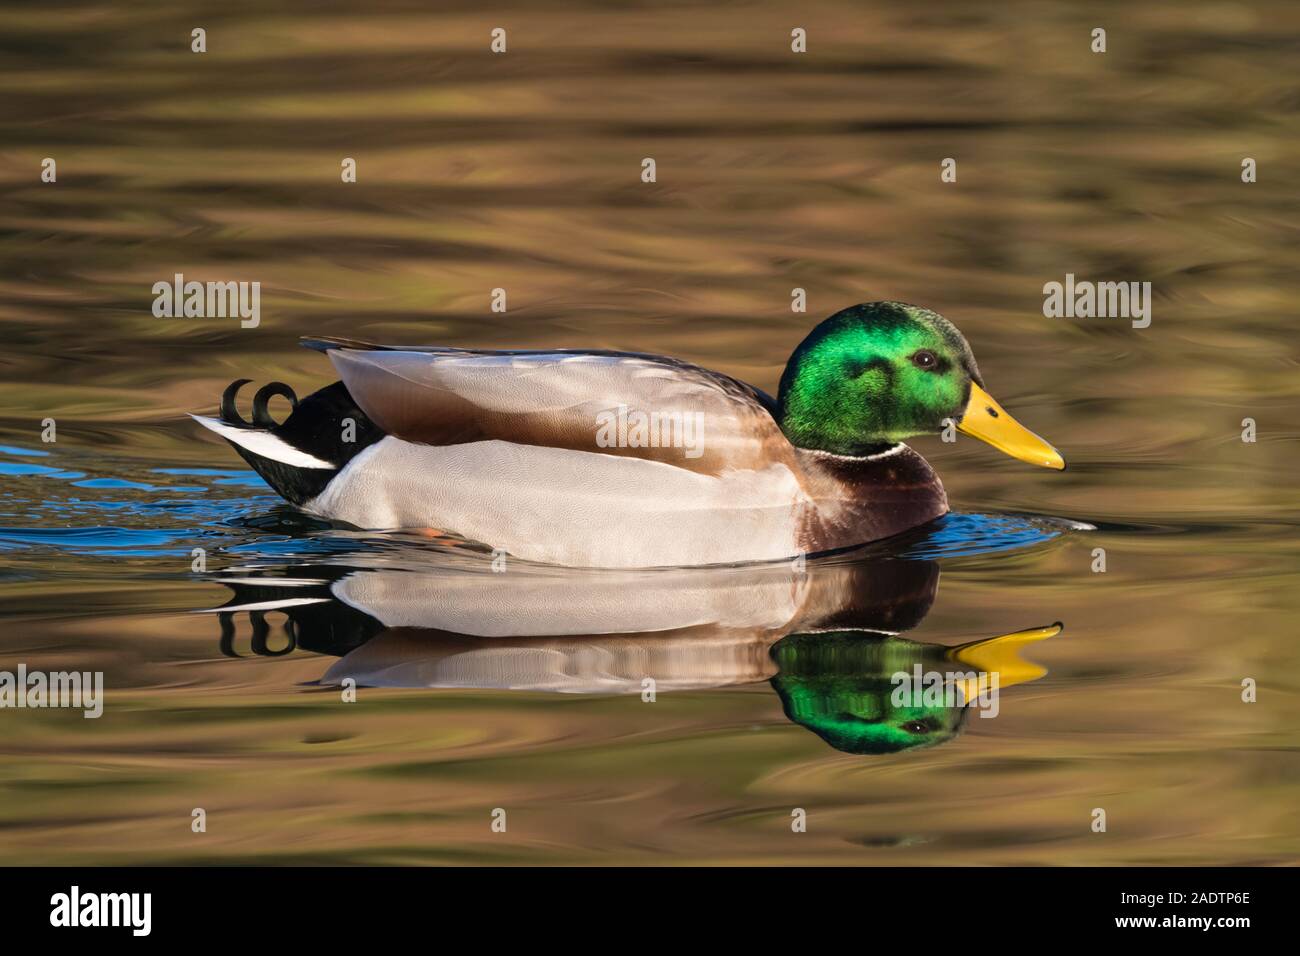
(261, 415)
(327, 424)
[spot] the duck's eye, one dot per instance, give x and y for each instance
(916, 727)
(925, 359)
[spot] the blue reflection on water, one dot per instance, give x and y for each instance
(205, 508)
(960, 534)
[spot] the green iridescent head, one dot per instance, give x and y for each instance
(875, 374)
(840, 686)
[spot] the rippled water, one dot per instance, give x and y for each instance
(774, 171)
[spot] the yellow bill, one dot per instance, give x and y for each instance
(986, 420)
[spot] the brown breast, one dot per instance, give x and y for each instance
(856, 500)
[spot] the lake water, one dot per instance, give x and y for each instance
(522, 691)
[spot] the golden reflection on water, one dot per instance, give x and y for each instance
(775, 171)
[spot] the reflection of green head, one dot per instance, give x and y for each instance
(839, 686)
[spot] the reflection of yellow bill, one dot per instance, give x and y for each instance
(1001, 656)
(986, 420)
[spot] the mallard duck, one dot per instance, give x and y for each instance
(620, 459)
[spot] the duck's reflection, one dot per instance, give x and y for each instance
(825, 635)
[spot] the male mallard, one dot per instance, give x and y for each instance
(618, 459)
